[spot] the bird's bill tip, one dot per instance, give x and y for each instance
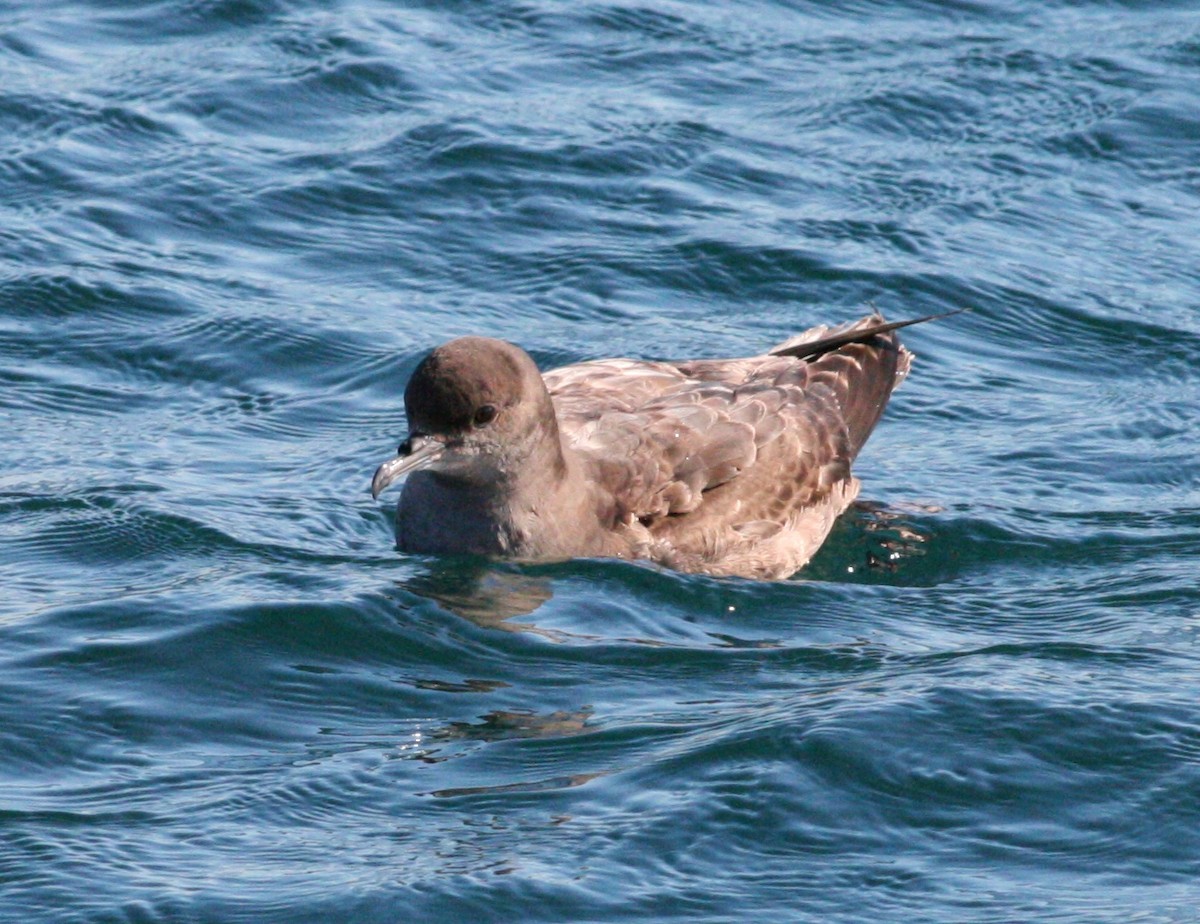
(420, 456)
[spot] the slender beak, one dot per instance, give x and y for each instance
(418, 451)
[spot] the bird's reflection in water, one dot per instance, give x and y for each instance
(491, 595)
(893, 532)
(874, 542)
(494, 594)
(482, 591)
(503, 724)
(544, 785)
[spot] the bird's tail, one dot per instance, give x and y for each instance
(857, 333)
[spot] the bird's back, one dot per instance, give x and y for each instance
(735, 466)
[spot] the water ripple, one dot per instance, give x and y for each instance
(231, 229)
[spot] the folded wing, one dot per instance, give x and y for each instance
(746, 444)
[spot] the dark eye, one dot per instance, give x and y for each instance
(485, 415)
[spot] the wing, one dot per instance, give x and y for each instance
(734, 442)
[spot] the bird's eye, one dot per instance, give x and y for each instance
(485, 415)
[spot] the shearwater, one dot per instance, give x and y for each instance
(719, 466)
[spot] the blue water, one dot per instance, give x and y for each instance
(230, 228)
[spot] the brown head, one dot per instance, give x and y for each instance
(477, 409)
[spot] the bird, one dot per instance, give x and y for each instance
(727, 467)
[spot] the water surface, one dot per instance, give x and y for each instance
(230, 228)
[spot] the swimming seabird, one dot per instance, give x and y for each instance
(717, 466)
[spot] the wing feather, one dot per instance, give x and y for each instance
(746, 448)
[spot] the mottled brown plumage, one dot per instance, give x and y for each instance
(733, 467)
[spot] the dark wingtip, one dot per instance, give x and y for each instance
(828, 344)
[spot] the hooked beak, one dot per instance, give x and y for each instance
(418, 451)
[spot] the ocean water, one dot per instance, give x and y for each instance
(229, 229)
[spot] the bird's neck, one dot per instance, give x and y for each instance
(551, 508)
(543, 507)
